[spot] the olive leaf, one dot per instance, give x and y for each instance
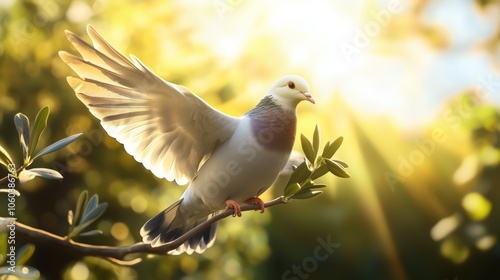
(23, 129)
(25, 253)
(331, 148)
(22, 271)
(319, 171)
(57, 145)
(5, 158)
(299, 174)
(38, 127)
(301, 183)
(307, 148)
(305, 194)
(291, 189)
(91, 233)
(336, 169)
(29, 174)
(316, 140)
(87, 211)
(344, 164)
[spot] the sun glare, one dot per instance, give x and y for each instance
(332, 44)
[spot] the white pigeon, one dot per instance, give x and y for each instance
(175, 134)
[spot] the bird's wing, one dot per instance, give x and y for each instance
(163, 125)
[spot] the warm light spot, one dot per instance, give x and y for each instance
(139, 204)
(455, 250)
(445, 226)
(490, 156)
(232, 268)
(80, 271)
(228, 47)
(486, 242)
(189, 264)
(476, 206)
(119, 231)
(124, 198)
(78, 124)
(47, 98)
(467, 171)
(25, 270)
(79, 11)
(7, 103)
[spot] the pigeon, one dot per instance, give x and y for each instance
(226, 160)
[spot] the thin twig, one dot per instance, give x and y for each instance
(4, 179)
(118, 254)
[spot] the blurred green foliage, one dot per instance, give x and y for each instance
(386, 231)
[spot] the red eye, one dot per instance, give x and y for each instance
(291, 85)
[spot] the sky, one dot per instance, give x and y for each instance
(368, 53)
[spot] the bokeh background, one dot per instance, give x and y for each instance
(413, 86)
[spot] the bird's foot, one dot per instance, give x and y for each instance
(231, 204)
(256, 200)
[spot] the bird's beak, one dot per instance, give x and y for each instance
(309, 97)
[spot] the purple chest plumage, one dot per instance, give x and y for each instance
(272, 126)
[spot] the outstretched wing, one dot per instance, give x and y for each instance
(163, 125)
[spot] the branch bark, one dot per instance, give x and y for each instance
(118, 255)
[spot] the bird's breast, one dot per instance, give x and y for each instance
(243, 167)
(275, 131)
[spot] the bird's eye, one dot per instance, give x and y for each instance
(291, 85)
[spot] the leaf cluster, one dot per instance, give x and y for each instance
(301, 183)
(29, 137)
(23, 254)
(28, 140)
(86, 212)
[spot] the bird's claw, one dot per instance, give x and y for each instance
(256, 200)
(231, 204)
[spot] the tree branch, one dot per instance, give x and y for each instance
(117, 255)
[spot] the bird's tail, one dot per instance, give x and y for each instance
(171, 224)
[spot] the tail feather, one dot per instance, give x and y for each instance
(198, 243)
(171, 224)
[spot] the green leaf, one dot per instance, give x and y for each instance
(319, 171)
(37, 128)
(58, 145)
(93, 215)
(91, 205)
(291, 189)
(308, 182)
(93, 211)
(300, 174)
(25, 253)
(91, 233)
(3, 243)
(305, 194)
(344, 164)
(29, 174)
(70, 217)
(22, 272)
(307, 148)
(316, 140)
(330, 149)
(5, 158)
(336, 169)
(10, 191)
(313, 186)
(23, 129)
(80, 204)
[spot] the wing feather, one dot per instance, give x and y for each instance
(166, 127)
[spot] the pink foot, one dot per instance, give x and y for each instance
(256, 200)
(231, 204)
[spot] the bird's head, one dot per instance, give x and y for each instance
(290, 90)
